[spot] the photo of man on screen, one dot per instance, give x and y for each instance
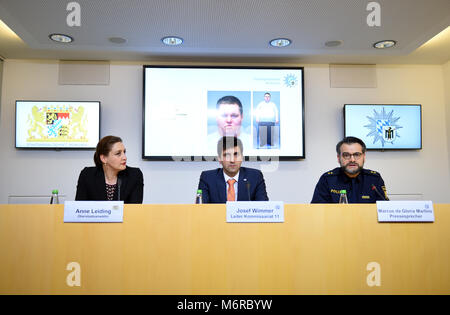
(229, 116)
(229, 119)
(267, 123)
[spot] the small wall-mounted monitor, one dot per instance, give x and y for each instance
(188, 109)
(385, 126)
(57, 124)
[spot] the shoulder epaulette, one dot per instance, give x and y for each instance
(331, 173)
(370, 172)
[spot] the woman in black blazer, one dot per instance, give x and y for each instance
(111, 178)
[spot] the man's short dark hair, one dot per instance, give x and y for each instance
(228, 142)
(230, 99)
(350, 140)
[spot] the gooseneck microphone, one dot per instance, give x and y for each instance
(374, 188)
(119, 181)
(247, 184)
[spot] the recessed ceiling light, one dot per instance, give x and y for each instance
(384, 44)
(61, 38)
(172, 40)
(117, 40)
(334, 43)
(280, 42)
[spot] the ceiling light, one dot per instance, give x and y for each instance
(5, 30)
(172, 40)
(280, 42)
(439, 39)
(61, 38)
(384, 44)
(334, 43)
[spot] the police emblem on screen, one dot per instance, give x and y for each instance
(290, 80)
(383, 127)
(389, 133)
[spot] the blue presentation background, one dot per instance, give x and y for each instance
(410, 121)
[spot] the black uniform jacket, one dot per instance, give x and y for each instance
(359, 189)
(92, 185)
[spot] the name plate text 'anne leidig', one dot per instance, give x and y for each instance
(93, 211)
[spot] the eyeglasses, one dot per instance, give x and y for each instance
(348, 156)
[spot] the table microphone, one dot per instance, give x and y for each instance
(247, 184)
(119, 181)
(374, 188)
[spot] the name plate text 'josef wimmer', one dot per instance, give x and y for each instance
(255, 211)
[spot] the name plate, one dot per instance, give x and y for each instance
(93, 211)
(405, 211)
(255, 211)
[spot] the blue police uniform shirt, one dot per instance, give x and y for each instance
(359, 189)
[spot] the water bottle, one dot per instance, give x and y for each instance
(54, 200)
(343, 196)
(198, 197)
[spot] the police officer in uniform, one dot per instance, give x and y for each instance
(362, 185)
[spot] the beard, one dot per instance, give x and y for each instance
(353, 170)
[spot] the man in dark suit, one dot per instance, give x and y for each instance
(232, 182)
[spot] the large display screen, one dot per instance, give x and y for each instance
(57, 124)
(188, 109)
(385, 127)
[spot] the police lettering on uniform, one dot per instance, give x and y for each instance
(362, 185)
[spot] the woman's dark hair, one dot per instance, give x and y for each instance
(104, 146)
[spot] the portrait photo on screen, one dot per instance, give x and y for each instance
(266, 120)
(229, 114)
(192, 106)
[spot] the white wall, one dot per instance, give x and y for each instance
(38, 172)
(446, 72)
(1, 77)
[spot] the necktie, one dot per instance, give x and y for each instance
(231, 194)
